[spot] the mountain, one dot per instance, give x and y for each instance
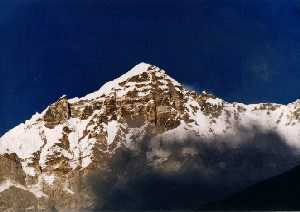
(143, 140)
(277, 193)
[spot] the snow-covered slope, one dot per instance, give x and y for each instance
(76, 135)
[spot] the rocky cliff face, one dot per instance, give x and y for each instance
(48, 160)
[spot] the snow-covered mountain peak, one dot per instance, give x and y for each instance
(141, 75)
(73, 137)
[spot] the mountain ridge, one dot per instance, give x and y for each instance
(74, 137)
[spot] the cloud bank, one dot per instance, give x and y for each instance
(187, 174)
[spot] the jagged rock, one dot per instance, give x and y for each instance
(11, 169)
(57, 113)
(15, 199)
(51, 157)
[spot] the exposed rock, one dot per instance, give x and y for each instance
(75, 138)
(57, 113)
(11, 168)
(15, 199)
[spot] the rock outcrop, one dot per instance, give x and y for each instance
(57, 113)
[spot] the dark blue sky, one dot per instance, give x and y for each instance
(241, 50)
